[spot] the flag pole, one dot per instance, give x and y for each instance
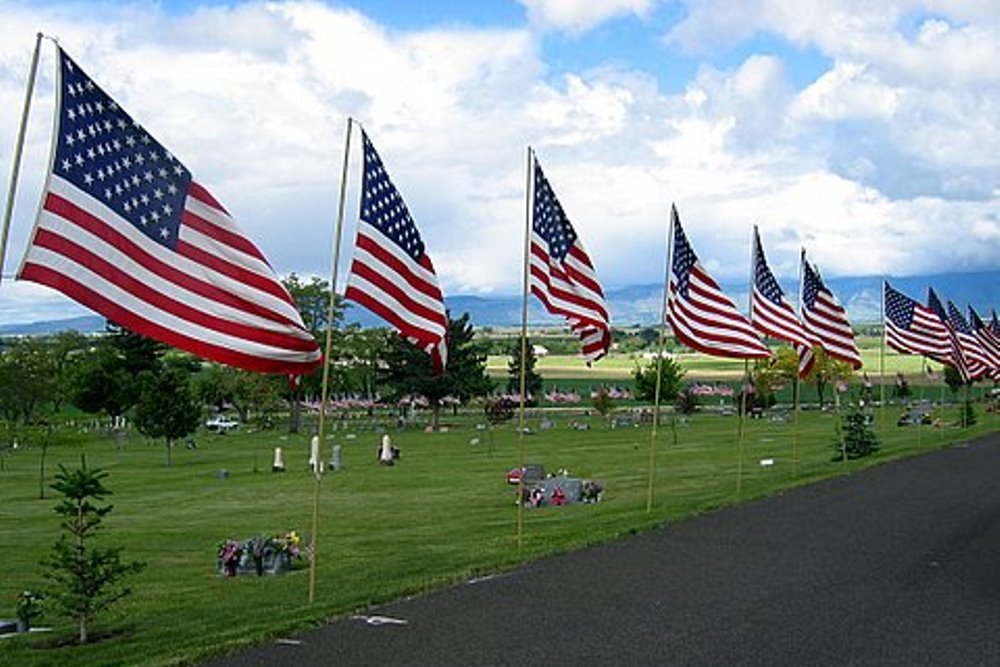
(659, 371)
(15, 169)
(796, 395)
(528, 195)
(326, 358)
(746, 374)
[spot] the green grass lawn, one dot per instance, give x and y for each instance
(443, 514)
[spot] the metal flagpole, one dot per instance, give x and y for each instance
(743, 416)
(326, 357)
(659, 372)
(797, 393)
(15, 169)
(528, 201)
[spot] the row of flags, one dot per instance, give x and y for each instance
(125, 230)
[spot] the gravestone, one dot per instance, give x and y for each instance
(546, 424)
(279, 462)
(336, 460)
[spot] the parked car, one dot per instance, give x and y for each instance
(221, 424)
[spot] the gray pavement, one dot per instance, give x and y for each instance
(897, 565)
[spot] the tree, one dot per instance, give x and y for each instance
(603, 403)
(408, 369)
(27, 379)
(825, 371)
(532, 380)
(166, 408)
(99, 382)
(313, 302)
(859, 440)
(86, 579)
(671, 375)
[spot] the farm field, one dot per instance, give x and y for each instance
(442, 515)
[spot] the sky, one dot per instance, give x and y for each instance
(866, 132)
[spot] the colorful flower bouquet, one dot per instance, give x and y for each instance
(259, 555)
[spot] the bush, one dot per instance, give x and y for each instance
(859, 440)
(687, 402)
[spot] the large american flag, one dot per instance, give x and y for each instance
(771, 313)
(956, 357)
(561, 273)
(913, 328)
(702, 317)
(825, 319)
(126, 231)
(976, 357)
(391, 273)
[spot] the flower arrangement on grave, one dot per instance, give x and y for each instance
(592, 490)
(29, 607)
(230, 552)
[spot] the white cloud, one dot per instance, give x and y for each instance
(866, 166)
(579, 16)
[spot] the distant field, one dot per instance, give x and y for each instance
(698, 366)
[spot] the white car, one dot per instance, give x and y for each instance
(221, 424)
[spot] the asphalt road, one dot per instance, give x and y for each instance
(897, 565)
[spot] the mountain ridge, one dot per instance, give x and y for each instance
(640, 305)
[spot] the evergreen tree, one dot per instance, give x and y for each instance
(408, 369)
(671, 375)
(532, 380)
(85, 579)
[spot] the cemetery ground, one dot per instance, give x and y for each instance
(442, 515)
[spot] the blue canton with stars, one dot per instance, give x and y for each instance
(899, 308)
(764, 279)
(684, 257)
(957, 321)
(812, 285)
(103, 152)
(549, 219)
(384, 208)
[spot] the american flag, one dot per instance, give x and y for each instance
(975, 356)
(771, 313)
(956, 357)
(825, 319)
(702, 317)
(561, 273)
(126, 231)
(988, 339)
(391, 273)
(913, 328)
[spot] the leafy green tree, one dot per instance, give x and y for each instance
(671, 376)
(27, 379)
(166, 407)
(312, 299)
(826, 371)
(408, 369)
(99, 382)
(84, 579)
(532, 380)
(954, 380)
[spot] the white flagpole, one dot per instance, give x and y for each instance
(659, 368)
(326, 357)
(15, 169)
(528, 201)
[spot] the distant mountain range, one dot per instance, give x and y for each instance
(640, 304)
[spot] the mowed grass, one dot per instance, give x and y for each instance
(442, 515)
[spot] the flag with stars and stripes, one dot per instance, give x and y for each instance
(770, 312)
(976, 357)
(956, 357)
(700, 314)
(561, 273)
(989, 341)
(126, 231)
(912, 328)
(391, 273)
(825, 319)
